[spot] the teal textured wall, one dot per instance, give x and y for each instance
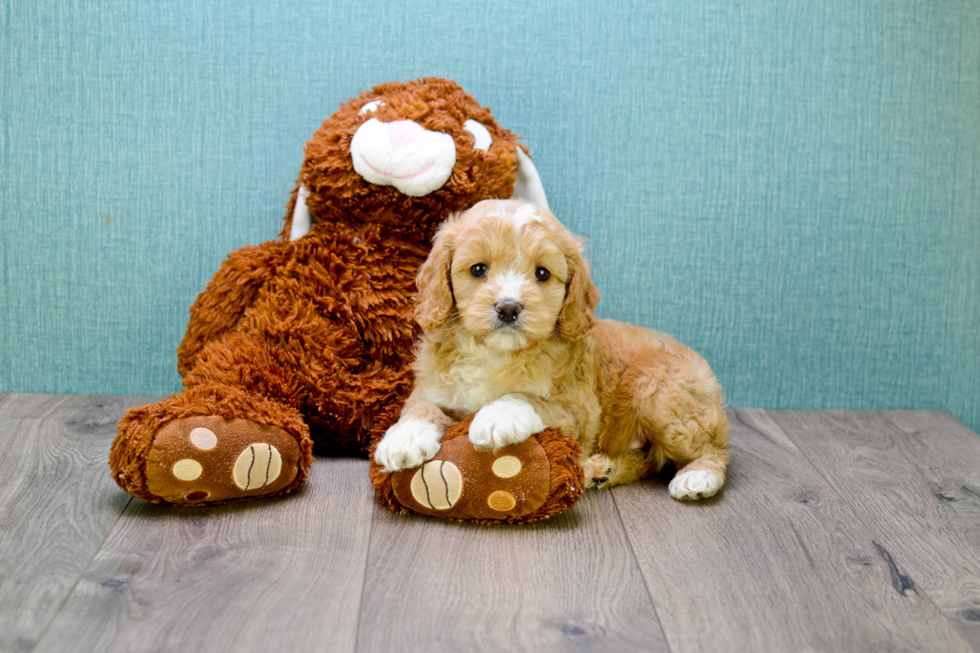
(791, 187)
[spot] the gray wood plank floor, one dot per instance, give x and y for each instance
(837, 531)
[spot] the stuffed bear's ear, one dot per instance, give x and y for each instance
(300, 224)
(528, 186)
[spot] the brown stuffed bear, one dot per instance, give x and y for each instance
(308, 340)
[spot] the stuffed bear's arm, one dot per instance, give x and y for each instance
(229, 293)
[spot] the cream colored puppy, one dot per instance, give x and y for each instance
(506, 305)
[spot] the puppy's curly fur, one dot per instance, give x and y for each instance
(507, 310)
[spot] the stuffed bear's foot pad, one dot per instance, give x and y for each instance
(464, 483)
(202, 460)
(519, 483)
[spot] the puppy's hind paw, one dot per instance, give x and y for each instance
(598, 468)
(695, 484)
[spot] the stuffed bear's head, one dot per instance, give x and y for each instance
(407, 155)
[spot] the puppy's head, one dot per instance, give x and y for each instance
(508, 274)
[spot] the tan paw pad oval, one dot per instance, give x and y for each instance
(257, 466)
(501, 501)
(506, 467)
(437, 485)
(187, 469)
(204, 439)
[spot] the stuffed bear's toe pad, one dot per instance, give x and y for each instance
(463, 483)
(200, 460)
(437, 485)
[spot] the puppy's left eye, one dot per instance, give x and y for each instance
(478, 270)
(542, 274)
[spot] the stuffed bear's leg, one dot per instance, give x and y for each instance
(237, 431)
(348, 417)
(241, 428)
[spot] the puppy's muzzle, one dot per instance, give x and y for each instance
(508, 310)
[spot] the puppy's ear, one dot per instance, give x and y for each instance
(577, 317)
(435, 299)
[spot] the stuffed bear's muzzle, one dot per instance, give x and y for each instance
(403, 154)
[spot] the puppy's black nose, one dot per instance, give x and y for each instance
(507, 310)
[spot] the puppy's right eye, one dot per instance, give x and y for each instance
(478, 270)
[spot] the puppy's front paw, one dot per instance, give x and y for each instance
(407, 444)
(508, 420)
(695, 484)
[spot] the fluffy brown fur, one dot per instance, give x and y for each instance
(632, 398)
(314, 336)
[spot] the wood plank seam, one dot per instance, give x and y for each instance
(367, 560)
(81, 575)
(639, 567)
(900, 582)
(776, 563)
(529, 588)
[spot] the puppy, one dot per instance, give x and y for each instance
(506, 306)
